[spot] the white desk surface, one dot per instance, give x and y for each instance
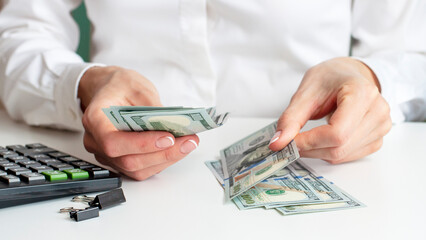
(186, 202)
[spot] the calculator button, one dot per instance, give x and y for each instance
(77, 174)
(55, 175)
(40, 169)
(15, 147)
(34, 151)
(2, 160)
(6, 166)
(29, 163)
(61, 166)
(7, 154)
(69, 159)
(33, 177)
(2, 173)
(49, 161)
(17, 159)
(18, 171)
(58, 154)
(82, 165)
(38, 157)
(35, 145)
(97, 172)
(10, 179)
(2, 149)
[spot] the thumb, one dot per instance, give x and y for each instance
(291, 121)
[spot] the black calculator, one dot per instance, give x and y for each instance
(35, 172)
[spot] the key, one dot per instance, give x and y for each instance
(35, 145)
(2, 173)
(29, 163)
(58, 154)
(7, 166)
(55, 175)
(2, 160)
(38, 157)
(15, 147)
(33, 177)
(19, 170)
(97, 172)
(34, 151)
(40, 169)
(82, 165)
(7, 154)
(77, 174)
(17, 159)
(69, 159)
(50, 161)
(10, 179)
(61, 166)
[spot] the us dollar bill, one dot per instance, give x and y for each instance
(284, 190)
(322, 207)
(323, 188)
(216, 168)
(179, 121)
(249, 161)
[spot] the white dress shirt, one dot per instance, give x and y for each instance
(247, 57)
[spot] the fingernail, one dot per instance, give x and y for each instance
(188, 146)
(164, 142)
(275, 137)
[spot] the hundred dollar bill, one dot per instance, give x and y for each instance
(322, 207)
(216, 168)
(285, 190)
(323, 188)
(249, 161)
(177, 120)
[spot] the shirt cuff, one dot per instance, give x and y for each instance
(68, 105)
(384, 74)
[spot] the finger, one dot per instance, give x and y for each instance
(372, 129)
(119, 143)
(292, 120)
(337, 155)
(137, 162)
(148, 172)
(353, 102)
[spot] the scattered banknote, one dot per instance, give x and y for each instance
(296, 189)
(286, 190)
(322, 207)
(249, 161)
(179, 121)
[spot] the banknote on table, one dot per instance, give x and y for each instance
(249, 161)
(321, 186)
(322, 207)
(179, 121)
(331, 197)
(284, 190)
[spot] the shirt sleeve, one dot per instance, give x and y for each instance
(390, 37)
(39, 69)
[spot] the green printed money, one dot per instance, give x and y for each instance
(179, 121)
(249, 161)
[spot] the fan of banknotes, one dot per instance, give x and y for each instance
(179, 121)
(253, 176)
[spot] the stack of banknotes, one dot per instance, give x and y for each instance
(253, 176)
(179, 121)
